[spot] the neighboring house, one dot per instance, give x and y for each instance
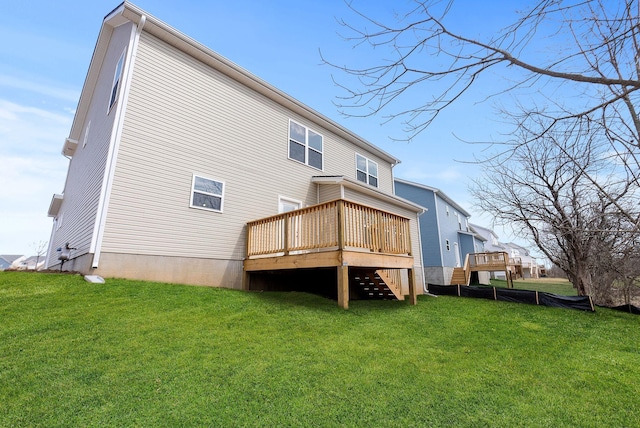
(186, 168)
(7, 260)
(29, 263)
(491, 240)
(447, 238)
(521, 263)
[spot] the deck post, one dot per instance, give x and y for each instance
(343, 286)
(286, 235)
(341, 224)
(246, 280)
(413, 298)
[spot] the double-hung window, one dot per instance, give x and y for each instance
(366, 170)
(207, 194)
(305, 145)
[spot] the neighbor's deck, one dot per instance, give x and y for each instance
(482, 262)
(338, 234)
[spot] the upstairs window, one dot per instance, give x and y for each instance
(207, 194)
(117, 76)
(305, 145)
(366, 170)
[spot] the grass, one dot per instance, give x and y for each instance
(559, 286)
(129, 353)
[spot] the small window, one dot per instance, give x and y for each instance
(366, 170)
(446, 242)
(207, 194)
(86, 135)
(305, 145)
(117, 76)
(447, 206)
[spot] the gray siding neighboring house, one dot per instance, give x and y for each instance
(164, 121)
(446, 235)
(521, 263)
(7, 260)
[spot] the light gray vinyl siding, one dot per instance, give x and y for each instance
(87, 167)
(328, 193)
(185, 118)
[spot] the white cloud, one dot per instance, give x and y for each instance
(48, 90)
(32, 170)
(31, 131)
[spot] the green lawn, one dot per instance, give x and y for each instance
(130, 353)
(549, 285)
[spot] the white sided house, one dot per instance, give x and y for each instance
(186, 168)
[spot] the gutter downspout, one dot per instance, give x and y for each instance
(101, 216)
(424, 283)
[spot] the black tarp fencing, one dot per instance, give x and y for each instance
(627, 308)
(512, 295)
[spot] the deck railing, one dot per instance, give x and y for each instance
(488, 261)
(337, 224)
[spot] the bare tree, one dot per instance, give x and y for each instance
(567, 176)
(596, 45)
(40, 248)
(545, 191)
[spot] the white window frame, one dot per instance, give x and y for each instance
(284, 199)
(117, 79)
(193, 190)
(86, 135)
(367, 173)
(305, 143)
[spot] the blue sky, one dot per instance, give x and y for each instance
(47, 47)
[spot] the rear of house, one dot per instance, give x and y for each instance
(174, 149)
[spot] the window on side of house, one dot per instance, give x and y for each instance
(117, 77)
(305, 145)
(446, 242)
(366, 170)
(207, 194)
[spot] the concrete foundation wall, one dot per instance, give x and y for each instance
(179, 270)
(436, 275)
(483, 278)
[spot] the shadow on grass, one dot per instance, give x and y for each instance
(292, 299)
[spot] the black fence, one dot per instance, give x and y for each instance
(517, 296)
(627, 308)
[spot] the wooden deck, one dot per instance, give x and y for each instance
(338, 234)
(482, 262)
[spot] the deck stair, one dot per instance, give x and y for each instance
(459, 277)
(371, 284)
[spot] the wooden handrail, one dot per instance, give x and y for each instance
(467, 273)
(338, 224)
